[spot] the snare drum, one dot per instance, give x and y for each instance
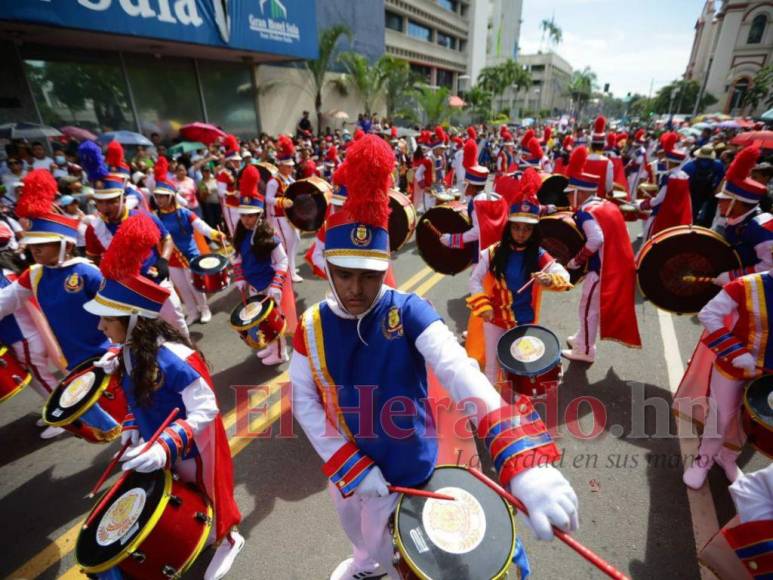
(757, 414)
(13, 376)
(258, 322)
(210, 273)
(531, 357)
(154, 527)
(402, 220)
(89, 403)
(470, 538)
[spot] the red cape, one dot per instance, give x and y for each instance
(492, 217)
(618, 278)
(676, 209)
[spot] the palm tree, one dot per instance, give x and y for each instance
(580, 88)
(552, 31)
(478, 103)
(497, 79)
(367, 80)
(397, 81)
(433, 103)
(328, 39)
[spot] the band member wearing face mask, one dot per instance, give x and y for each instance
(366, 339)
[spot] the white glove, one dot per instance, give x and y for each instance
(276, 294)
(151, 460)
(131, 435)
(445, 239)
(374, 484)
(572, 265)
(722, 279)
(109, 362)
(550, 209)
(745, 362)
(549, 498)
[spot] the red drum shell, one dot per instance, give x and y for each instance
(13, 376)
(210, 279)
(536, 386)
(266, 325)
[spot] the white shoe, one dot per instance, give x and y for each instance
(224, 556)
(263, 353)
(578, 356)
(206, 315)
(347, 570)
(51, 432)
(191, 318)
(297, 279)
(695, 476)
(40, 423)
(275, 359)
(571, 341)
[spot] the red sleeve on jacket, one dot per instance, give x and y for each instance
(93, 245)
(24, 279)
(299, 345)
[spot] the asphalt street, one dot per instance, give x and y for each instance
(634, 508)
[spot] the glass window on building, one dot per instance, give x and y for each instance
(424, 72)
(79, 89)
(449, 5)
(739, 91)
(444, 78)
(229, 97)
(165, 93)
(757, 30)
(446, 40)
(419, 31)
(393, 21)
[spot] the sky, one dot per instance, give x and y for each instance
(630, 44)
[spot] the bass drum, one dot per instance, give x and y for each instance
(266, 170)
(402, 220)
(310, 198)
(553, 190)
(450, 218)
(757, 414)
(669, 260)
(563, 240)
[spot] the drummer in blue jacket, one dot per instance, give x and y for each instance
(365, 334)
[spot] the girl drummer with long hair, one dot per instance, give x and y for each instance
(159, 370)
(497, 283)
(181, 224)
(261, 264)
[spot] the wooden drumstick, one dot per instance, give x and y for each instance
(690, 279)
(432, 228)
(586, 553)
(112, 491)
(533, 277)
(419, 492)
(106, 473)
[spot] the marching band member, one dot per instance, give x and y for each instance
(438, 160)
(609, 288)
(749, 230)
(458, 162)
(359, 335)
(671, 206)
(261, 264)
(422, 178)
(598, 163)
(109, 199)
(504, 267)
(276, 203)
(159, 370)
(227, 177)
(506, 161)
(181, 222)
(119, 170)
(637, 165)
(315, 254)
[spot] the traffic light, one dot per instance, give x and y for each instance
(606, 87)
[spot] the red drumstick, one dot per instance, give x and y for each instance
(586, 553)
(106, 473)
(112, 491)
(419, 492)
(531, 281)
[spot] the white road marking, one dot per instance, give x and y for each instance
(702, 510)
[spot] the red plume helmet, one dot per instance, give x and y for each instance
(600, 124)
(470, 154)
(130, 247)
(285, 146)
(568, 142)
(472, 133)
(577, 161)
(393, 132)
(114, 156)
(161, 169)
(668, 141)
(611, 140)
(231, 144)
(535, 150)
(740, 168)
(527, 136)
(502, 129)
(37, 195)
(370, 162)
(530, 184)
(639, 135)
(248, 182)
(547, 133)
(440, 135)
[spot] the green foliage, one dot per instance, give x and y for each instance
(684, 95)
(397, 82)
(328, 39)
(433, 104)
(367, 80)
(478, 103)
(581, 87)
(552, 31)
(761, 90)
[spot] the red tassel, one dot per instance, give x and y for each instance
(130, 247)
(577, 161)
(37, 195)
(114, 155)
(370, 162)
(548, 132)
(248, 182)
(470, 154)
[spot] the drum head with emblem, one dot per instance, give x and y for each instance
(528, 350)
(247, 315)
(472, 537)
(667, 263)
(75, 394)
(122, 520)
(209, 264)
(310, 199)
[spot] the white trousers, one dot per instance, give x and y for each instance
(31, 353)
(365, 522)
(725, 394)
(290, 240)
(230, 217)
(172, 310)
(193, 300)
(492, 334)
(589, 315)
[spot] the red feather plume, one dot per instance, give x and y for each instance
(568, 142)
(639, 134)
(339, 177)
(161, 169)
(286, 146)
(393, 132)
(440, 135)
(739, 169)
(370, 162)
(359, 134)
(248, 182)
(577, 161)
(528, 136)
(502, 129)
(114, 154)
(530, 184)
(535, 149)
(231, 144)
(37, 195)
(547, 133)
(668, 141)
(130, 247)
(600, 124)
(611, 140)
(470, 154)
(472, 133)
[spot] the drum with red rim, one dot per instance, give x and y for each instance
(402, 220)
(89, 403)
(757, 414)
(310, 198)
(13, 376)
(449, 218)
(470, 538)
(154, 528)
(259, 321)
(531, 358)
(563, 240)
(210, 273)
